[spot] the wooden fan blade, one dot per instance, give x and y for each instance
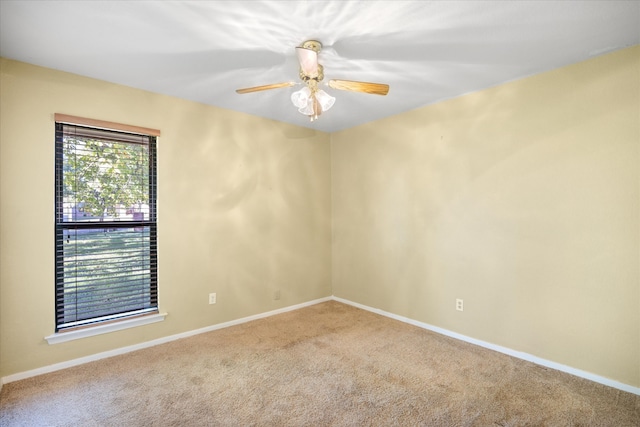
(308, 61)
(373, 88)
(265, 87)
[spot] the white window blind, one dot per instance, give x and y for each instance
(106, 230)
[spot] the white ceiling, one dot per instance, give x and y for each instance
(426, 51)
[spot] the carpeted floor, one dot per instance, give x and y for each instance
(328, 364)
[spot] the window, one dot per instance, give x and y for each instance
(105, 216)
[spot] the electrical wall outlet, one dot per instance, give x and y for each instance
(459, 304)
(276, 295)
(212, 298)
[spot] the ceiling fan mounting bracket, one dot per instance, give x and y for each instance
(314, 45)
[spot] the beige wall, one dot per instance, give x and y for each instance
(243, 205)
(521, 199)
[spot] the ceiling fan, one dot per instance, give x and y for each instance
(310, 100)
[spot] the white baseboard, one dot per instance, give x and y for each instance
(128, 349)
(490, 346)
(500, 349)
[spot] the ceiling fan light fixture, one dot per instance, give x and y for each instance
(300, 98)
(326, 101)
(312, 103)
(307, 109)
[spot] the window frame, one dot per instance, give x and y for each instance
(125, 319)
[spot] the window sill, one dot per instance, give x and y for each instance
(103, 329)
